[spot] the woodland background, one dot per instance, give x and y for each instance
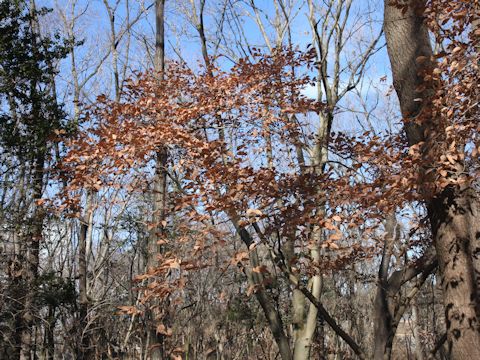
(239, 179)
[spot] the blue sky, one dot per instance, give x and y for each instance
(182, 39)
(93, 27)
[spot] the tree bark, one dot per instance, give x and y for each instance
(416, 333)
(393, 297)
(456, 230)
(453, 213)
(306, 322)
(29, 275)
(384, 324)
(34, 231)
(159, 186)
(256, 279)
(86, 223)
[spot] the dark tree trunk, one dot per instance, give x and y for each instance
(454, 212)
(385, 326)
(83, 349)
(49, 345)
(157, 346)
(454, 217)
(31, 244)
(264, 299)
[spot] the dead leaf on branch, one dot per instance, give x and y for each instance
(335, 236)
(253, 212)
(261, 269)
(128, 310)
(252, 289)
(330, 245)
(163, 330)
(239, 257)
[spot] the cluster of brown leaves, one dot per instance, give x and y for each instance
(448, 154)
(217, 129)
(231, 136)
(455, 104)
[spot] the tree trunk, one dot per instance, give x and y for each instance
(34, 224)
(29, 275)
(416, 333)
(304, 340)
(384, 324)
(384, 329)
(49, 342)
(307, 324)
(255, 279)
(454, 212)
(86, 223)
(160, 186)
(456, 231)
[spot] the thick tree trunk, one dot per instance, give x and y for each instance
(384, 330)
(454, 217)
(454, 212)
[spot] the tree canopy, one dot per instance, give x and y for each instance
(257, 179)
